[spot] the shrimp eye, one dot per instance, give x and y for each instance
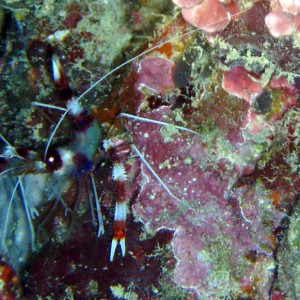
(53, 160)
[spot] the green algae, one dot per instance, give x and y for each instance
(168, 132)
(288, 258)
(167, 289)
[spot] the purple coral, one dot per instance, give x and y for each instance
(232, 184)
(212, 240)
(225, 243)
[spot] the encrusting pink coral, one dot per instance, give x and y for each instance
(279, 24)
(216, 237)
(237, 82)
(212, 16)
(213, 242)
(148, 68)
(283, 18)
(290, 6)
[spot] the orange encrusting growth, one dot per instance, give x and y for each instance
(173, 48)
(275, 197)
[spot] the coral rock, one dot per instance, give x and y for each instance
(155, 75)
(279, 24)
(212, 241)
(237, 82)
(207, 15)
(210, 15)
(290, 6)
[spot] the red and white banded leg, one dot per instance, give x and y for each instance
(118, 152)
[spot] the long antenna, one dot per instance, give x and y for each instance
(146, 120)
(161, 182)
(121, 66)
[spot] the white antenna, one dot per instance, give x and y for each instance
(159, 123)
(165, 187)
(121, 66)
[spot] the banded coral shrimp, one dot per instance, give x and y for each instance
(185, 168)
(20, 180)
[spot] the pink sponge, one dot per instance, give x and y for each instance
(279, 23)
(237, 82)
(210, 15)
(155, 75)
(283, 18)
(290, 6)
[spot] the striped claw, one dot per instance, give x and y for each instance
(114, 245)
(117, 152)
(119, 177)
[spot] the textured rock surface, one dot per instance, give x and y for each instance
(232, 210)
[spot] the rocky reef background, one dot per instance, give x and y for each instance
(228, 228)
